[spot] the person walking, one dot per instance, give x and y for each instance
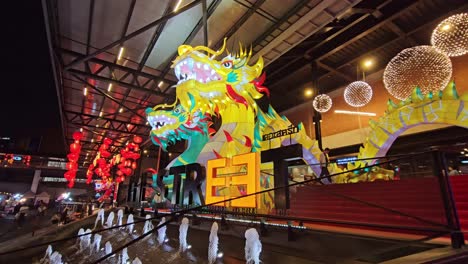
(324, 160)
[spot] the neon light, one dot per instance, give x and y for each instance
(177, 6)
(120, 53)
(354, 113)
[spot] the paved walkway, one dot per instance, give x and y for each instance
(9, 228)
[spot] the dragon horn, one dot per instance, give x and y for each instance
(241, 51)
(250, 54)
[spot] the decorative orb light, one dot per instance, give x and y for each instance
(358, 94)
(322, 103)
(451, 35)
(421, 66)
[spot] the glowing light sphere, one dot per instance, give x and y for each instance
(322, 103)
(358, 94)
(451, 35)
(421, 66)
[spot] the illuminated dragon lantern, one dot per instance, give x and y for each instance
(172, 125)
(229, 88)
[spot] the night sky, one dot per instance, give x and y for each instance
(29, 102)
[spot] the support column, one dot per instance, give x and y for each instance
(318, 128)
(35, 181)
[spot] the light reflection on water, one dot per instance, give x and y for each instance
(148, 250)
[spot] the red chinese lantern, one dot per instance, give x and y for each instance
(73, 157)
(128, 171)
(75, 148)
(72, 166)
(134, 165)
(105, 154)
(107, 141)
(77, 136)
(137, 139)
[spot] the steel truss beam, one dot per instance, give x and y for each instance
(405, 35)
(90, 25)
(293, 64)
(114, 81)
(278, 23)
(109, 129)
(402, 35)
(337, 72)
(133, 34)
(128, 71)
(106, 95)
(239, 22)
(114, 123)
(154, 38)
(369, 30)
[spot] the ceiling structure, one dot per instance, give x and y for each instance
(112, 58)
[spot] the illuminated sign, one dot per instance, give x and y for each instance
(17, 158)
(345, 160)
(284, 132)
(55, 179)
(229, 178)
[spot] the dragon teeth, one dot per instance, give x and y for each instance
(177, 71)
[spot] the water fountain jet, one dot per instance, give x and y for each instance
(120, 217)
(253, 246)
(213, 244)
(183, 229)
(130, 221)
(110, 219)
(162, 232)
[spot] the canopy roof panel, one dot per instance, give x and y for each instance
(113, 57)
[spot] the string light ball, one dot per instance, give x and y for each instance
(422, 66)
(358, 94)
(451, 35)
(322, 103)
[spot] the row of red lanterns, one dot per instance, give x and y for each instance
(73, 156)
(101, 166)
(128, 157)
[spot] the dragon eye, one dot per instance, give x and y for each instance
(177, 110)
(227, 64)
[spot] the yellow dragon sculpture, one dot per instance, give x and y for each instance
(229, 88)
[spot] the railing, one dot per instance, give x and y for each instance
(447, 208)
(259, 215)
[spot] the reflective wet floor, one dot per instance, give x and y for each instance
(307, 247)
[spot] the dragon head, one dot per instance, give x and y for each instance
(208, 85)
(171, 125)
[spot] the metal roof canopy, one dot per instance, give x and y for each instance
(300, 40)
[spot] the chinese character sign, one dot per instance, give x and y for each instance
(229, 178)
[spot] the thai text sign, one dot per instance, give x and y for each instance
(284, 132)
